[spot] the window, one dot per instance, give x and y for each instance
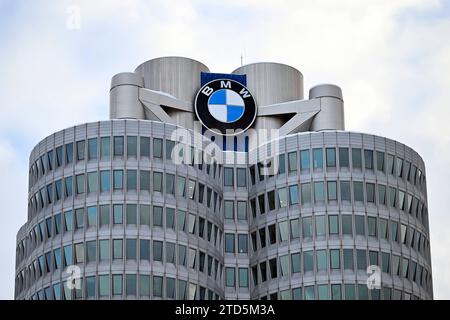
(229, 242)
(229, 209)
(321, 256)
(345, 190)
(69, 153)
(317, 158)
(92, 183)
(130, 284)
(230, 277)
(307, 227)
(144, 144)
(335, 262)
(181, 186)
(181, 220)
(394, 231)
(92, 148)
(332, 190)
(157, 148)
(358, 191)
(272, 234)
(261, 203)
(306, 193)
(356, 158)
(273, 268)
(281, 164)
(262, 237)
(385, 262)
(383, 228)
(132, 146)
(170, 252)
(243, 277)
(157, 250)
(144, 180)
(241, 177)
(381, 194)
(295, 262)
(284, 265)
(191, 223)
(105, 148)
(105, 180)
(117, 284)
(131, 179)
(79, 218)
(319, 192)
(68, 182)
(131, 214)
(157, 216)
(118, 146)
(390, 164)
(103, 285)
(380, 161)
(292, 162)
(170, 181)
(68, 219)
(392, 197)
(242, 210)
(370, 192)
(348, 259)
(350, 293)
(157, 181)
(80, 150)
(91, 253)
(191, 188)
(157, 286)
(400, 167)
(131, 249)
(79, 253)
(117, 214)
(361, 259)
(170, 218)
(104, 215)
(59, 157)
(118, 179)
(282, 197)
(336, 292)
(368, 159)
(333, 224)
(359, 225)
(293, 194)
(169, 149)
(283, 230)
(347, 224)
(304, 160)
(372, 226)
(92, 216)
(343, 158)
(57, 223)
(228, 177)
(182, 255)
(103, 250)
(308, 261)
(320, 226)
(295, 228)
(331, 157)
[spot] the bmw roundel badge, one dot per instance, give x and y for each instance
(225, 105)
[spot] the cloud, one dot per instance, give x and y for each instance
(389, 57)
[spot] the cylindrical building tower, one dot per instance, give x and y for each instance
(121, 209)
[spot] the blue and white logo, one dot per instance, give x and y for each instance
(226, 105)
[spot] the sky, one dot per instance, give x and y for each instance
(391, 59)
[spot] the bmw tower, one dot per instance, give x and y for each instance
(223, 186)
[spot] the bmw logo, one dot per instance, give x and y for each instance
(225, 105)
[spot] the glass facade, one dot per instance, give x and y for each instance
(122, 211)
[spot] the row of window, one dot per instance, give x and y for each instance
(317, 158)
(347, 291)
(329, 260)
(93, 151)
(107, 250)
(331, 192)
(320, 226)
(107, 181)
(110, 286)
(102, 217)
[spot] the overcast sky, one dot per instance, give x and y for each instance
(391, 59)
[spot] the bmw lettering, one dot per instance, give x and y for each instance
(225, 106)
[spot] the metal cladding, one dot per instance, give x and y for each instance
(124, 90)
(331, 115)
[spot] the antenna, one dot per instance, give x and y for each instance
(242, 58)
